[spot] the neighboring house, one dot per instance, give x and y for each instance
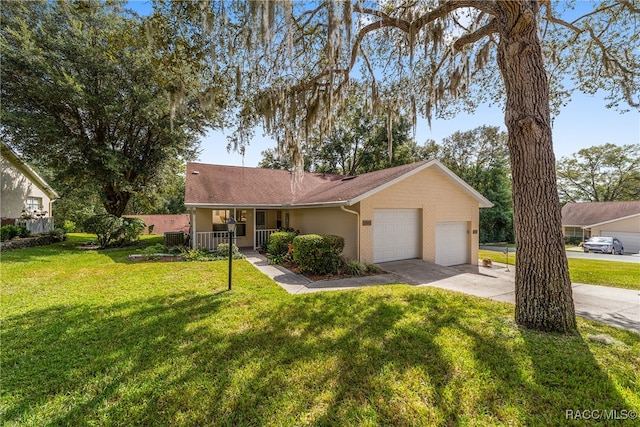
(617, 219)
(24, 192)
(164, 223)
(421, 210)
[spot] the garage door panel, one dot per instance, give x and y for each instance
(452, 243)
(630, 241)
(396, 234)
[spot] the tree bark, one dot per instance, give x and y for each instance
(115, 201)
(544, 298)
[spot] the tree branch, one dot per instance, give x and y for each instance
(473, 37)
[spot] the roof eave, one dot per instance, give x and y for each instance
(26, 170)
(611, 220)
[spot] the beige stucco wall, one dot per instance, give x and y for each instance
(15, 188)
(328, 221)
(439, 199)
(629, 225)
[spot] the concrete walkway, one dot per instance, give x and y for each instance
(612, 306)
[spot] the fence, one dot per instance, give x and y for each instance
(37, 226)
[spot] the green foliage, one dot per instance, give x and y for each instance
(480, 157)
(8, 232)
(318, 254)
(279, 242)
(200, 254)
(157, 248)
(112, 230)
(602, 173)
(355, 268)
(107, 227)
(69, 226)
(222, 251)
(81, 328)
(132, 228)
(104, 112)
(23, 231)
(572, 240)
(357, 144)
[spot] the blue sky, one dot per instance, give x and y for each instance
(583, 122)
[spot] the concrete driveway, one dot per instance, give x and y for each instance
(613, 306)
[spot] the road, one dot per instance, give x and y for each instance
(631, 258)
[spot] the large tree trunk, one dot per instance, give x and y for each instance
(543, 288)
(115, 201)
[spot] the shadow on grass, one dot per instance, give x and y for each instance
(392, 357)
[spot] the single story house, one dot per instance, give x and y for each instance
(617, 219)
(420, 210)
(24, 192)
(164, 223)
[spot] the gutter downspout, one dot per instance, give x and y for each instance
(357, 214)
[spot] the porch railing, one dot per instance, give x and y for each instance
(211, 239)
(262, 236)
(37, 226)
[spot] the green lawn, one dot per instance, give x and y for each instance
(91, 339)
(593, 272)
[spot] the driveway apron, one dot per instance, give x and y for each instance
(612, 306)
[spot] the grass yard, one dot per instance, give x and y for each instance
(592, 272)
(89, 338)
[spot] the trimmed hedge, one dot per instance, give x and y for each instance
(318, 254)
(8, 232)
(279, 242)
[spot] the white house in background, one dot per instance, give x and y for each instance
(23, 190)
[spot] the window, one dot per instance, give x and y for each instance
(220, 218)
(34, 204)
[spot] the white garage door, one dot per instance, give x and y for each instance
(630, 241)
(452, 243)
(396, 234)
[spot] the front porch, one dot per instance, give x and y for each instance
(254, 226)
(211, 239)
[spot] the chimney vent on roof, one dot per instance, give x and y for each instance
(195, 172)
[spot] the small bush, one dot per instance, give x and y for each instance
(69, 226)
(132, 228)
(279, 243)
(222, 251)
(572, 240)
(355, 268)
(158, 248)
(112, 230)
(23, 231)
(207, 255)
(107, 227)
(318, 254)
(8, 232)
(372, 268)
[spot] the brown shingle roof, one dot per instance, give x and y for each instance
(240, 186)
(584, 214)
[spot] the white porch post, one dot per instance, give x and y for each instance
(255, 228)
(194, 236)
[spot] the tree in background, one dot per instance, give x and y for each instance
(84, 96)
(358, 143)
(481, 158)
(603, 173)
